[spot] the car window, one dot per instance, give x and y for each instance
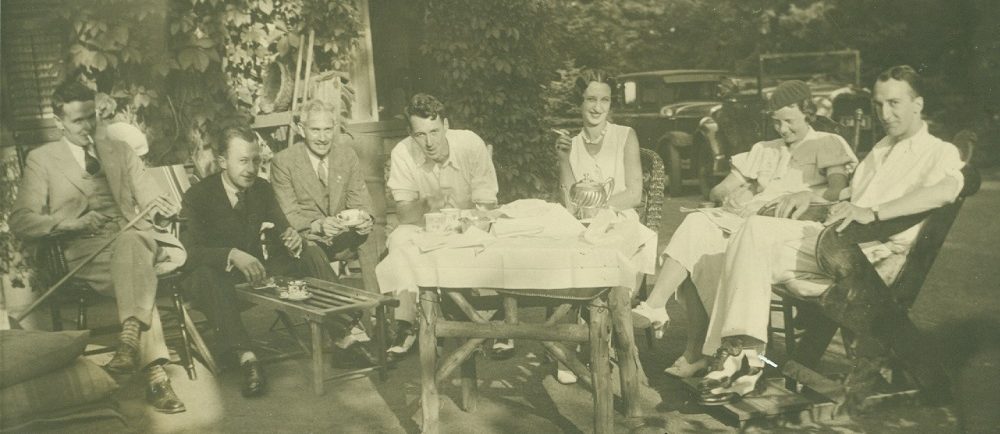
(652, 94)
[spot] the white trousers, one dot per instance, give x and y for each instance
(766, 251)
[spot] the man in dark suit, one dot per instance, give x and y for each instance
(228, 214)
(84, 189)
(316, 180)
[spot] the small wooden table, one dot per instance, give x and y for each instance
(328, 300)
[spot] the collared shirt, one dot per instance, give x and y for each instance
(468, 175)
(231, 190)
(892, 170)
(78, 153)
(314, 161)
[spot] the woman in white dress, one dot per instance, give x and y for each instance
(802, 166)
(600, 151)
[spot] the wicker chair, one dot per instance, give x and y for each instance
(650, 212)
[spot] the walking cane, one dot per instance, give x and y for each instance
(16, 320)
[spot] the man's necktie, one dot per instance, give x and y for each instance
(240, 199)
(90, 161)
(321, 171)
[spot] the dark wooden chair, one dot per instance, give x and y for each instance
(862, 304)
(50, 265)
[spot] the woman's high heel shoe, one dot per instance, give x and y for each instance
(682, 369)
(657, 318)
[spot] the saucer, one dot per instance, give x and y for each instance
(288, 296)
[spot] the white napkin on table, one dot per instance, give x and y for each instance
(472, 237)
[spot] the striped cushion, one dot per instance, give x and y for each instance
(80, 383)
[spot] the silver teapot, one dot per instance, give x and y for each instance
(589, 195)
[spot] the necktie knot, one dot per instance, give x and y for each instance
(91, 163)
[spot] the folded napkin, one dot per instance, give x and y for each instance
(526, 208)
(473, 237)
(512, 228)
(601, 230)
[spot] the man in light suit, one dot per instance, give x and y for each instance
(316, 180)
(84, 189)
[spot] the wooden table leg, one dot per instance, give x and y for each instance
(470, 386)
(429, 401)
(319, 374)
(600, 366)
(629, 368)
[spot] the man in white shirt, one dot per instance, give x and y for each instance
(907, 172)
(433, 168)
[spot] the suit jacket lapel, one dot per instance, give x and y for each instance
(67, 165)
(311, 182)
(335, 183)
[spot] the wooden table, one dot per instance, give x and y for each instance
(328, 301)
(545, 256)
(609, 310)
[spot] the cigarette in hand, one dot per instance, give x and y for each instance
(560, 132)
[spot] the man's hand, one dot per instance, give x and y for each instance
(365, 227)
(249, 265)
(292, 242)
(165, 207)
(849, 212)
(332, 226)
(89, 222)
(792, 205)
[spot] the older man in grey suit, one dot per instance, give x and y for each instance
(316, 180)
(84, 190)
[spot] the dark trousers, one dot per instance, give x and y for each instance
(213, 292)
(342, 247)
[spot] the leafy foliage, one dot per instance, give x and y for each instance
(177, 65)
(493, 69)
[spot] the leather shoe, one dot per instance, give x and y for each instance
(124, 361)
(502, 349)
(402, 344)
(161, 396)
(253, 378)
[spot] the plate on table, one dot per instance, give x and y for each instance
(266, 284)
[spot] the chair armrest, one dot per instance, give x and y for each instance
(856, 233)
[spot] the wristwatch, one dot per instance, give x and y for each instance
(875, 213)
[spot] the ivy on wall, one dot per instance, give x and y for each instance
(494, 59)
(178, 64)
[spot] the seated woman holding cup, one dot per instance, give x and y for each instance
(803, 162)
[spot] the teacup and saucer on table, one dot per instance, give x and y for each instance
(296, 290)
(352, 217)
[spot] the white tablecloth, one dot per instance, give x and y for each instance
(558, 257)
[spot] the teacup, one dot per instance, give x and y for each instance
(435, 222)
(351, 217)
(451, 216)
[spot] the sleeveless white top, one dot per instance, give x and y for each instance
(609, 162)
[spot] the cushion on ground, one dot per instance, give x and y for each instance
(26, 354)
(80, 383)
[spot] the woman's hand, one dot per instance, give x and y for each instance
(563, 143)
(792, 205)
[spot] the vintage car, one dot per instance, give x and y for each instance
(668, 109)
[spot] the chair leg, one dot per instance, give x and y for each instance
(186, 359)
(57, 324)
(787, 310)
(199, 344)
